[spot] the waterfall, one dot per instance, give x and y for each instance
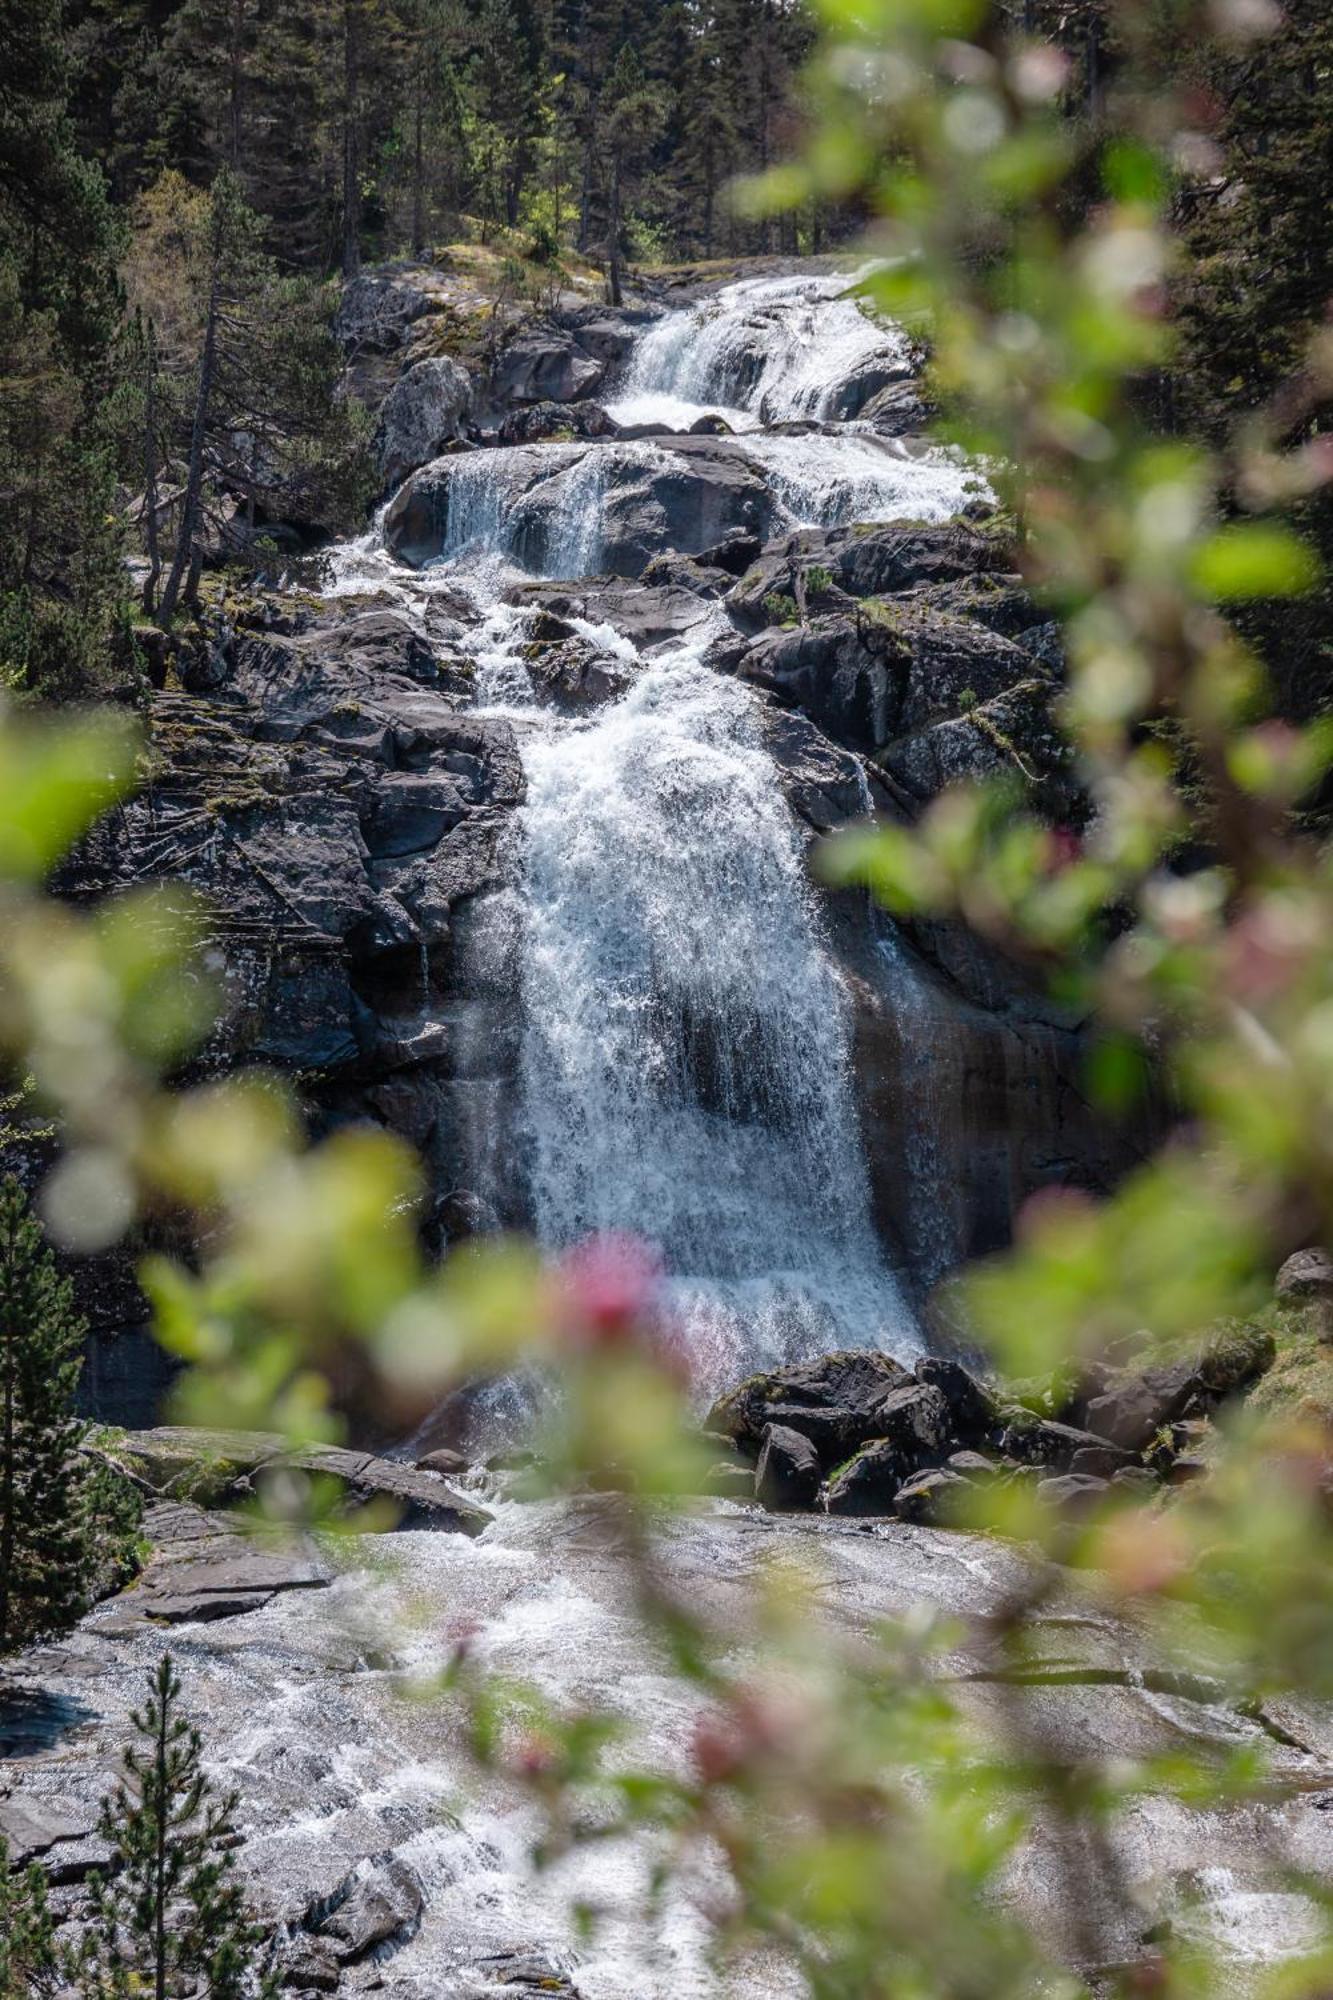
(684, 1069)
(764, 350)
(685, 1064)
(826, 482)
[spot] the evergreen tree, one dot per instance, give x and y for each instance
(240, 374)
(58, 1527)
(29, 1968)
(174, 1920)
(59, 303)
(630, 115)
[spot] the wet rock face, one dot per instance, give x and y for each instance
(344, 815)
(679, 495)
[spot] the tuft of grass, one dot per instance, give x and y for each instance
(1300, 1381)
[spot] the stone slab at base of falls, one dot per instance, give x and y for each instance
(316, 1707)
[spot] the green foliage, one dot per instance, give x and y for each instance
(61, 628)
(174, 1917)
(65, 1526)
(29, 1965)
(781, 608)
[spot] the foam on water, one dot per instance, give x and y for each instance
(686, 1045)
(766, 349)
(827, 481)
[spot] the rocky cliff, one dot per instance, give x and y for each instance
(332, 769)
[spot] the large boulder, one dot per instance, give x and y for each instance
(537, 422)
(929, 1497)
(868, 380)
(885, 672)
(788, 1473)
(862, 562)
(972, 1408)
(868, 1483)
(914, 1419)
(1306, 1278)
(570, 510)
(898, 410)
(376, 313)
(424, 410)
(645, 614)
(545, 366)
(837, 1391)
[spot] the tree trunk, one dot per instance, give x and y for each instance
(198, 434)
(236, 78)
(418, 170)
(151, 536)
(160, 1857)
(351, 202)
(585, 194)
(9, 1392)
(617, 296)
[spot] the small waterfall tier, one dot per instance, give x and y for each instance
(766, 350)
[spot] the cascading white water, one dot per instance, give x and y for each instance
(828, 481)
(764, 350)
(685, 1064)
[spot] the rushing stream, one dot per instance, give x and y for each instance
(685, 1067)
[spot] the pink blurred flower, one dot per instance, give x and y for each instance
(607, 1288)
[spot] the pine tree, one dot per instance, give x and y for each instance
(53, 1538)
(29, 1968)
(243, 379)
(174, 1920)
(630, 118)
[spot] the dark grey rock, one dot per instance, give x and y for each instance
(1135, 1479)
(1100, 1461)
(1042, 1441)
(926, 1496)
(898, 410)
(375, 314)
(972, 1408)
(1131, 1414)
(854, 1380)
(914, 1420)
(868, 1483)
(973, 1465)
(1072, 1492)
(869, 380)
(1306, 1275)
(788, 1473)
(576, 675)
(427, 407)
(545, 367)
(447, 1462)
(379, 1902)
(542, 421)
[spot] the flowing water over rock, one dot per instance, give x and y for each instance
(761, 351)
(685, 1054)
(686, 1047)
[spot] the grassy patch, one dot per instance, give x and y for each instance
(1300, 1381)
